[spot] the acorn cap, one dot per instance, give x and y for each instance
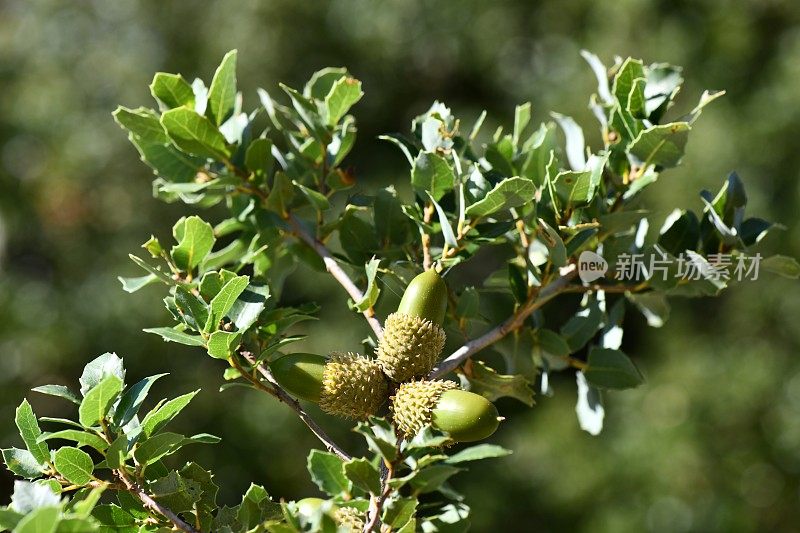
(465, 416)
(425, 297)
(352, 386)
(414, 402)
(300, 374)
(410, 346)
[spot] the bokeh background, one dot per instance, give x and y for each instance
(710, 443)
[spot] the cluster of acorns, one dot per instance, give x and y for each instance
(353, 386)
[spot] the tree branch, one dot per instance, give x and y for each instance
(376, 501)
(510, 324)
(336, 271)
(152, 504)
(284, 397)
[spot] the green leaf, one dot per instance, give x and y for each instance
(256, 507)
(173, 335)
(579, 188)
(42, 520)
(195, 239)
(172, 90)
(29, 430)
(222, 92)
(611, 369)
(221, 344)
(327, 472)
(653, 305)
(522, 116)
(113, 516)
(84, 507)
(192, 309)
(132, 400)
(132, 285)
(158, 446)
(399, 511)
(22, 463)
(447, 230)
(621, 221)
(575, 143)
(153, 270)
(82, 438)
(176, 493)
(74, 464)
(431, 478)
(161, 416)
(97, 402)
(785, 266)
(432, 174)
(475, 453)
(555, 245)
(117, 452)
(380, 436)
(60, 391)
(363, 475)
(628, 73)
(194, 134)
(281, 195)
(344, 93)
(391, 225)
(318, 200)
(372, 292)
(259, 158)
(662, 145)
(224, 301)
(108, 364)
(468, 303)
(148, 136)
(579, 329)
(491, 385)
(249, 306)
(9, 519)
(511, 192)
(357, 238)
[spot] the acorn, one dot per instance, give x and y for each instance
(345, 384)
(464, 415)
(348, 519)
(413, 336)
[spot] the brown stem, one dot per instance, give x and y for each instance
(277, 391)
(152, 504)
(376, 501)
(427, 261)
(510, 324)
(336, 271)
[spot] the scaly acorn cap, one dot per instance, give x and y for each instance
(410, 346)
(352, 386)
(465, 416)
(413, 337)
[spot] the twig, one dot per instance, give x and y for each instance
(376, 501)
(336, 271)
(284, 397)
(427, 261)
(498, 332)
(152, 504)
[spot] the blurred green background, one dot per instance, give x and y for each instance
(710, 443)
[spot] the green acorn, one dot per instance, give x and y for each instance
(465, 416)
(413, 337)
(348, 519)
(345, 384)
